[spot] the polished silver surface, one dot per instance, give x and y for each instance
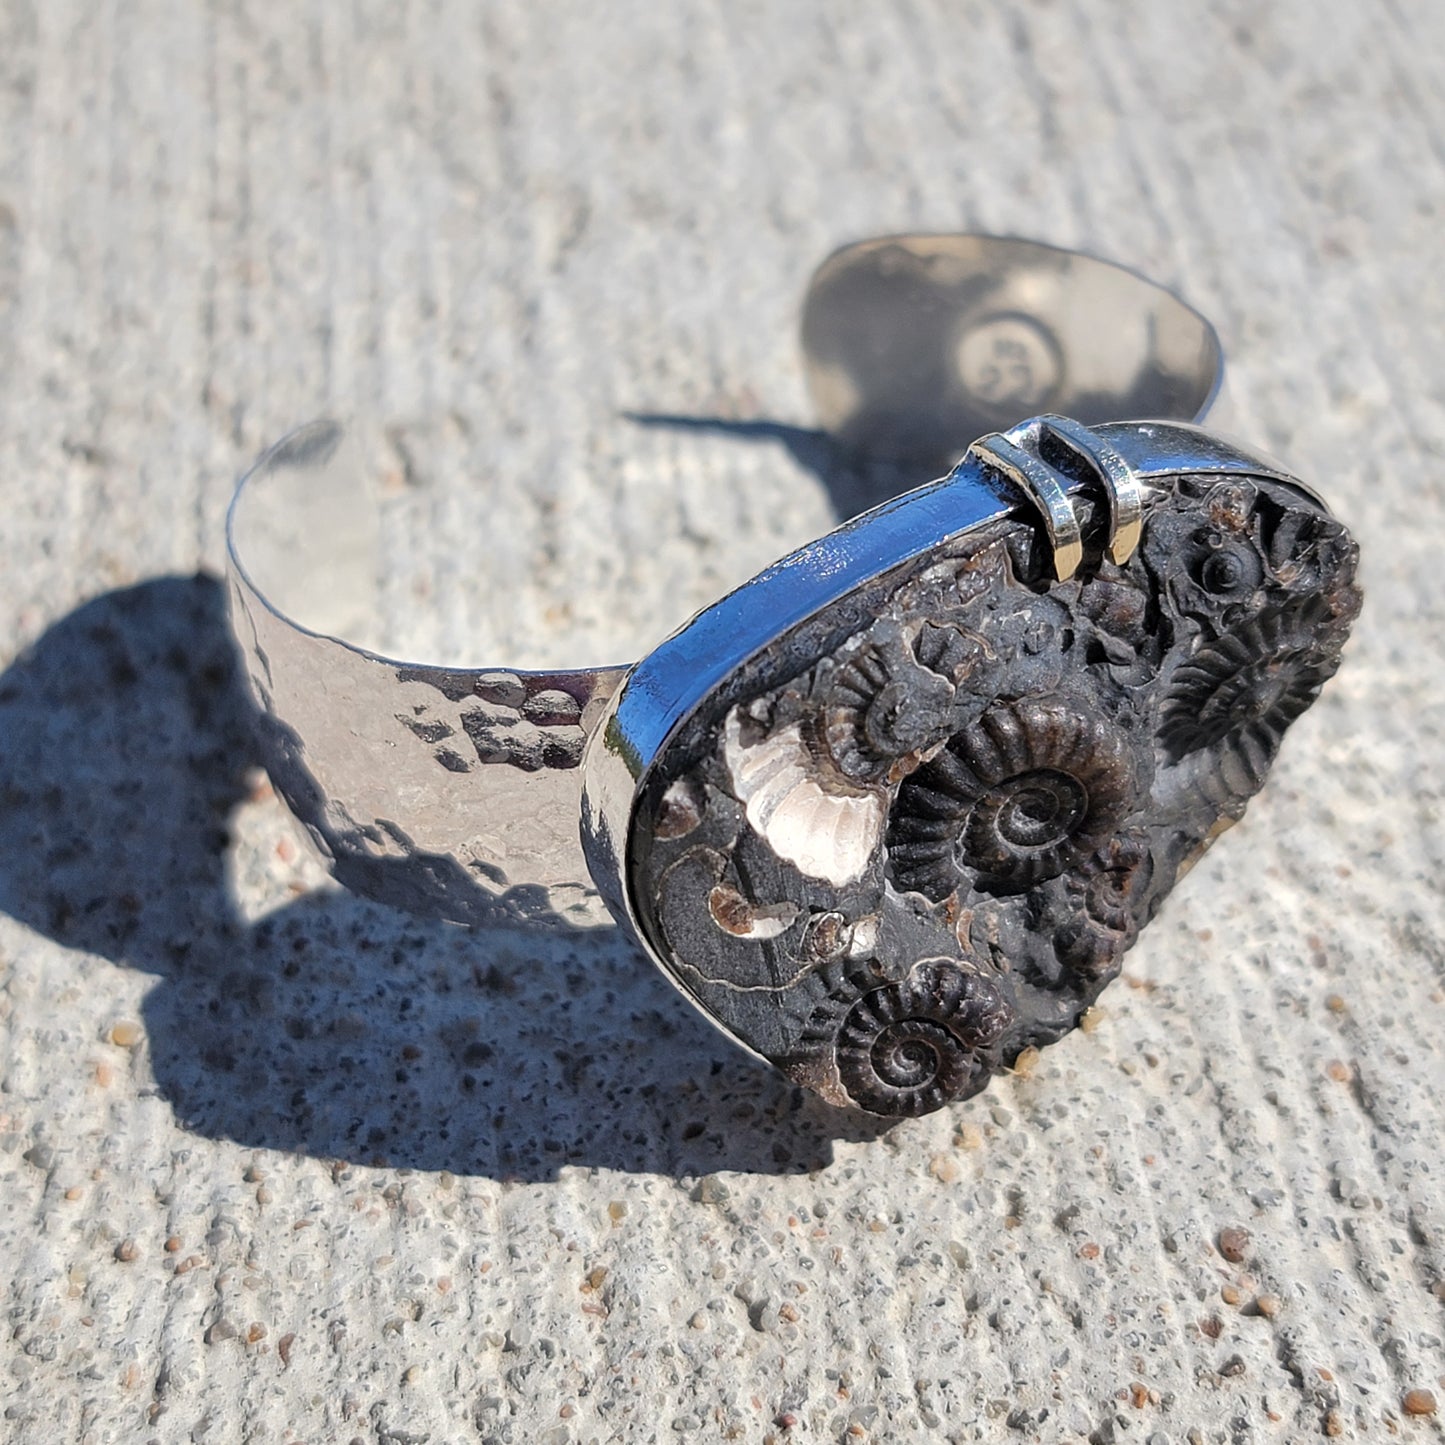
(1126, 495)
(455, 791)
(1045, 488)
(915, 345)
(450, 792)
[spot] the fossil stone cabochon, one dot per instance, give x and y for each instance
(918, 833)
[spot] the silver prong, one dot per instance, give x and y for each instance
(1126, 496)
(1042, 485)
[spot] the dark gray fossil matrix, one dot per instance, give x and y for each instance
(919, 832)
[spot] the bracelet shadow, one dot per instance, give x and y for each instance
(854, 482)
(332, 1027)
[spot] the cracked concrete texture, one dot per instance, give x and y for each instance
(279, 1165)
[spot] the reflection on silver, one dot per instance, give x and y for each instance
(450, 792)
(914, 345)
(1046, 489)
(1017, 455)
(1126, 496)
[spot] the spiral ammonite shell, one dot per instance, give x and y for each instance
(1105, 897)
(910, 1047)
(879, 709)
(1217, 571)
(1030, 790)
(947, 651)
(1242, 690)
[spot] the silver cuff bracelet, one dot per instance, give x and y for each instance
(893, 810)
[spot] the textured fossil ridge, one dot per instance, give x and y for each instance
(919, 837)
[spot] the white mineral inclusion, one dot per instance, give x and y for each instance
(824, 833)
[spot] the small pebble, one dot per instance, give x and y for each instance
(1335, 1004)
(1234, 1365)
(173, 1244)
(127, 1250)
(711, 1190)
(1334, 1424)
(1092, 1018)
(1418, 1402)
(1026, 1061)
(1234, 1243)
(126, 1033)
(1267, 1305)
(942, 1167)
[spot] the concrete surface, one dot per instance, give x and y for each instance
(277, 1166)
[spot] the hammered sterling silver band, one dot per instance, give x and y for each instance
(893, 810)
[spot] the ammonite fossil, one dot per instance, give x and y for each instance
(1025, 793)
(1103, 900)
(1243, 689)
(879, 710)
(910, 1046)
(918, 832)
